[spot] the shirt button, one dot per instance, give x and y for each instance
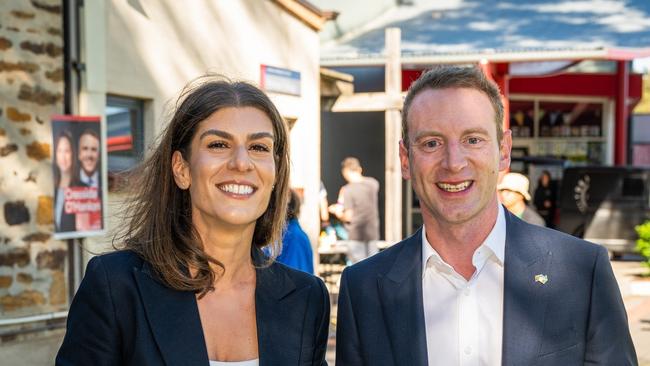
(468, 350)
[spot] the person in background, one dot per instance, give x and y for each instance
(191, 284)
(513, 193)
(296, 249)
(545, 197)
(357, 207)
(64, 173)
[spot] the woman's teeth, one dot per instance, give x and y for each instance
(236, 188)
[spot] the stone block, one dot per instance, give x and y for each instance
(5, 43)
(58, 293)
(24, 278)
(55, 75)
(38, 95)
(38, 150)
(8, 149)
(28, 67)
(24, 299)
(15, 115)
(48, 48)
(54, 31)
(54, 259)
(54, 9)
(22, 14)
(25, 131)
(2, 130)
(6, 281)
(16, 213)
(45, 210)
(41, 237)
(17, 256)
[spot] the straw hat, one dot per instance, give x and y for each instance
(515, 182)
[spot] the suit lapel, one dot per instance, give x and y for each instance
(400, 291)
(524, 304)
(174, 320)
(276, 317)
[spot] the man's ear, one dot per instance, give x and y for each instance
(404, 160)
(504, 151)
(181, 171)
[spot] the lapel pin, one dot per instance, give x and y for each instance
(541, 278)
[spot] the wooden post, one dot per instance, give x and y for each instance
(620, 129)
(393, 127)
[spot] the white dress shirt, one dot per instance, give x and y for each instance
(464, 319)
(90, 181)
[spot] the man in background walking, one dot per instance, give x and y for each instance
(357, 208)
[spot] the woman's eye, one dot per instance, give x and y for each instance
(260, 148)
(217, 145)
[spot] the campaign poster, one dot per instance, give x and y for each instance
(78, 177)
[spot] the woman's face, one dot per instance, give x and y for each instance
(230, 172)
(546, 180)
(64, 155)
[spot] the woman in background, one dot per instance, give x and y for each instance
(192, 285)
(64, 172)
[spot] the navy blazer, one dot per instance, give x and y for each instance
(122, 315)
(576, 318)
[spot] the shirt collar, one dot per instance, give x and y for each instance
(495, 243)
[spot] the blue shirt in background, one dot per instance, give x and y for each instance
(296, 248)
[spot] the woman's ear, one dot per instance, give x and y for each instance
(181, 171)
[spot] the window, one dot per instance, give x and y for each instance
(124, 130)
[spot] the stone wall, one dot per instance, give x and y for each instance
(33, 265)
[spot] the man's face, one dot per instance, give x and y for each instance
(88, 153)
(453, 157)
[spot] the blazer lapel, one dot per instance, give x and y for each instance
(525, 300)
(276, 317)
(174, 320)
(400, 292)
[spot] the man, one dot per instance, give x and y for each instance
(89, 158)
(513, 194)
(358, 210)
(476, 285)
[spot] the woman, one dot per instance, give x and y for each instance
(545, 197)
(64, 169)
(296, 248)
(192, 286)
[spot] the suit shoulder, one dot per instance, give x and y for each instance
(381, 261)
(118, 263)
(299, 278)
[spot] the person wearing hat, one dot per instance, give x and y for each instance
(513, 193)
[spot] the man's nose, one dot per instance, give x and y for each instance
(455, 157)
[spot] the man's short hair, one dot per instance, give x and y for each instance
(89, 131)
(449, 76)
(351, 163)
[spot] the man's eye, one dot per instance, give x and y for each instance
(431, 144)
(473, 140)
(260, 148)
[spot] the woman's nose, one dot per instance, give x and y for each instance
(240, 159)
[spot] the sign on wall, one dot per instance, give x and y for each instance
(77, 168)
(278, 80)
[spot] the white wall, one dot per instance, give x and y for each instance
(154, 47)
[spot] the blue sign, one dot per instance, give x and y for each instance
(278, 80)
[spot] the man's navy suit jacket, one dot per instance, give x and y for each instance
(576, 318)
(121, 315)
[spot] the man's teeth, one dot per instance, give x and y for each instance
(236, 188)
(454, 187)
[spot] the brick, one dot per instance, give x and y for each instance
(54, 259)
(22, 300)
(54, 9)
(8, 149)
(5, 43)
(55, 75)
(48, 48)
(6, 281)
(45, 210)
(2, 131)
(28, 67)
(16, 256)
(39, 236)
(25, 131)
(38, 95)
(54, 31)
(15, 115)
(58, 293)
(38, 150)
(16, 213)
(22, 14)
(24, 278)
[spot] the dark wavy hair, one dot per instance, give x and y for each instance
(74, 171)
(159, 217)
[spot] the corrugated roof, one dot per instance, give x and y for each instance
(489, 27)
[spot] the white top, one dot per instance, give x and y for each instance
(464, 319)
(255, 362)
(90, 181)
